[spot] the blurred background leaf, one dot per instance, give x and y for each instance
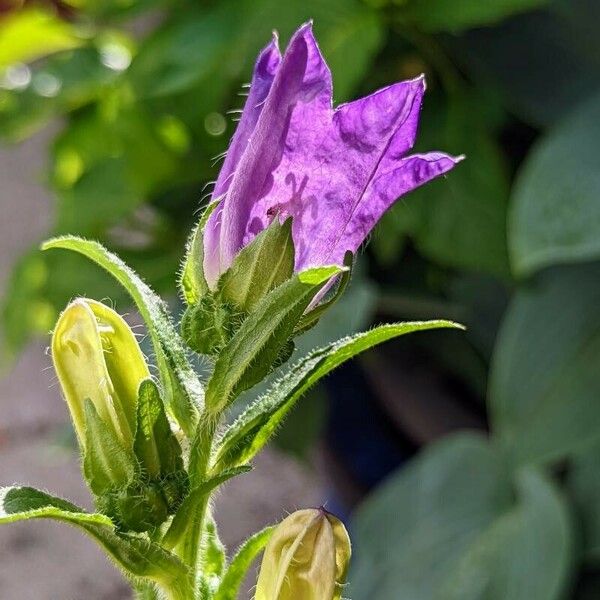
(450, 525)
(555, 217)
(545, 380)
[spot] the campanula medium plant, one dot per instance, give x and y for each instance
(302, 186)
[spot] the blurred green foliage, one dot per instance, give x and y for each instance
(509, 242)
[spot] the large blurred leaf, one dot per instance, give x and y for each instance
(450, 526)
(541, 64)
(99, 183)
(63, 83)
(458, 220)
(584, 485)
(545, 380)
(30, 33)
(219, 45)
(555, 215)
(450, 15)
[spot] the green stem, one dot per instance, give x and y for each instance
(190, 547)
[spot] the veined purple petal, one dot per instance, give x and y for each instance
(335, 172)
(383, 190)
(329, 159)
(264, 72)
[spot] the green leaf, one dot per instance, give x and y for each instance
(183, 390)
(31, 33)
(448, 15)
(254, 348)
(192, 282)
(257, 424)
(453, 525)
(155, 446)
(583, 484)
(107, 465)
(135, 555)
(555, 215)
(241, 562)
(259, 267)
(544, 381)
(182, 518)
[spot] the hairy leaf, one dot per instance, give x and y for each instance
(255, 347)
(135, 555)
(241, 562)
(255, 426)
(182, 518)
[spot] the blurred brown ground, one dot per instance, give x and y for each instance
(50, 561)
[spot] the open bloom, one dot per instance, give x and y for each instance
(334, 171)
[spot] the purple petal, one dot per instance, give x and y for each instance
(264, 72)
(384, 189)
(329, 159)
(302, 75)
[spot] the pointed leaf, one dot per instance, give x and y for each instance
(241, 562)
(255, 426)
(156, 446)
(135, 555)
(181, 385)
(250, 354)
(182, 518)
(192, 282)
(260, 267)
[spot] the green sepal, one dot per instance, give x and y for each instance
(192, 282)
(261, 266)
(256, 346)
(106, 463)
(240, 563)
(183, 391)
(181, 520)
(139, 507)
(140, 559)
(311, 318)
(214, 559)
(255, 426)
(208, 325)
(155, 445)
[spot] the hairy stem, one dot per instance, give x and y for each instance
(190, 548)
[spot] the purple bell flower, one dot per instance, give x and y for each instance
(334, 171)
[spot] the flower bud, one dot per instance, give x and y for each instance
(306, 558)
(96, 357)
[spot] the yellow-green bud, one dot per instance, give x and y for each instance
(96, 357)
(306, 558)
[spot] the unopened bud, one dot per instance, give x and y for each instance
(306, 558)
(96, 357)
